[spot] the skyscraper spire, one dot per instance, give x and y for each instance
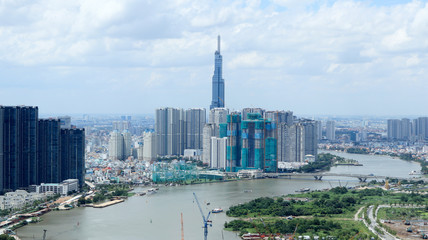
(218, 43)
(218, 81)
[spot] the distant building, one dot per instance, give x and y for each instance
(331, 130)
(65, 121)
(216, 117)
(115, 149)
(246, 111)
(149, 147)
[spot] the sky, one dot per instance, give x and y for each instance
(313, 57)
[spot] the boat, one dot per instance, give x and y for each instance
(217, 210)
(303, 190)
(248, 191)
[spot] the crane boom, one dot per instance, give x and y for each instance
(200, 209)
(206, 221)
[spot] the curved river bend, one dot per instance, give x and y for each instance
(157, 216)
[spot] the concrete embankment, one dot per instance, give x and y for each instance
(106, 204)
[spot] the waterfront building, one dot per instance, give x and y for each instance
(170, 131)
(195, 122)
(73, 154)
(208, 132)
(258, 144)
(233, 158)
(63, 188)
(18, 147)
(19, 199)
(311, 138)
(331, 130)
(218, 100)
(218, 152)
(49, 150)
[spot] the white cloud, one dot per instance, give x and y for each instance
(166, 48)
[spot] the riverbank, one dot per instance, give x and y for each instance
(336, 212)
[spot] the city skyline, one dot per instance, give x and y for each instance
(312, 57)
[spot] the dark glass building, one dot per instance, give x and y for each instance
(73, 154)
(49, 151)
(18, 147)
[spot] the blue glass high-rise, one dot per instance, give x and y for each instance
(218, 81)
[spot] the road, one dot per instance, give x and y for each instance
(373, 224)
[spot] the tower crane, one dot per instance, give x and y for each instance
(206, 220)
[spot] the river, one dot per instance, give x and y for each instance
(157, 216)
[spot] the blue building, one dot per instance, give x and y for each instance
(218, 81)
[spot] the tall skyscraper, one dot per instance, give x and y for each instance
(18, 147)
(149, 151)
(394, 129)
(170, 131)
(218, 100)
(195, 122)
(208, 132)
(49, 150)
(218, 152)
(73, 154)
(115, 149)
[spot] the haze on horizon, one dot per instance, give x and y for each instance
(344, 57)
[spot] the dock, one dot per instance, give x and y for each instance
(106, 204)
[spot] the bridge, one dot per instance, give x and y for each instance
(320, 175)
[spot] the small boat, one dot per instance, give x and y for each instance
(248, 191)
(303, 190)
(217, 210)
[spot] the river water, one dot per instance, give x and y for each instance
(157, 216)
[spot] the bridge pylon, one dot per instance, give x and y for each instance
(318, 178)
(362, 179)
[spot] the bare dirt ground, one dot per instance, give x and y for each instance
(417, 229)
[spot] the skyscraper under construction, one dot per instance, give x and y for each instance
(218, 81)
